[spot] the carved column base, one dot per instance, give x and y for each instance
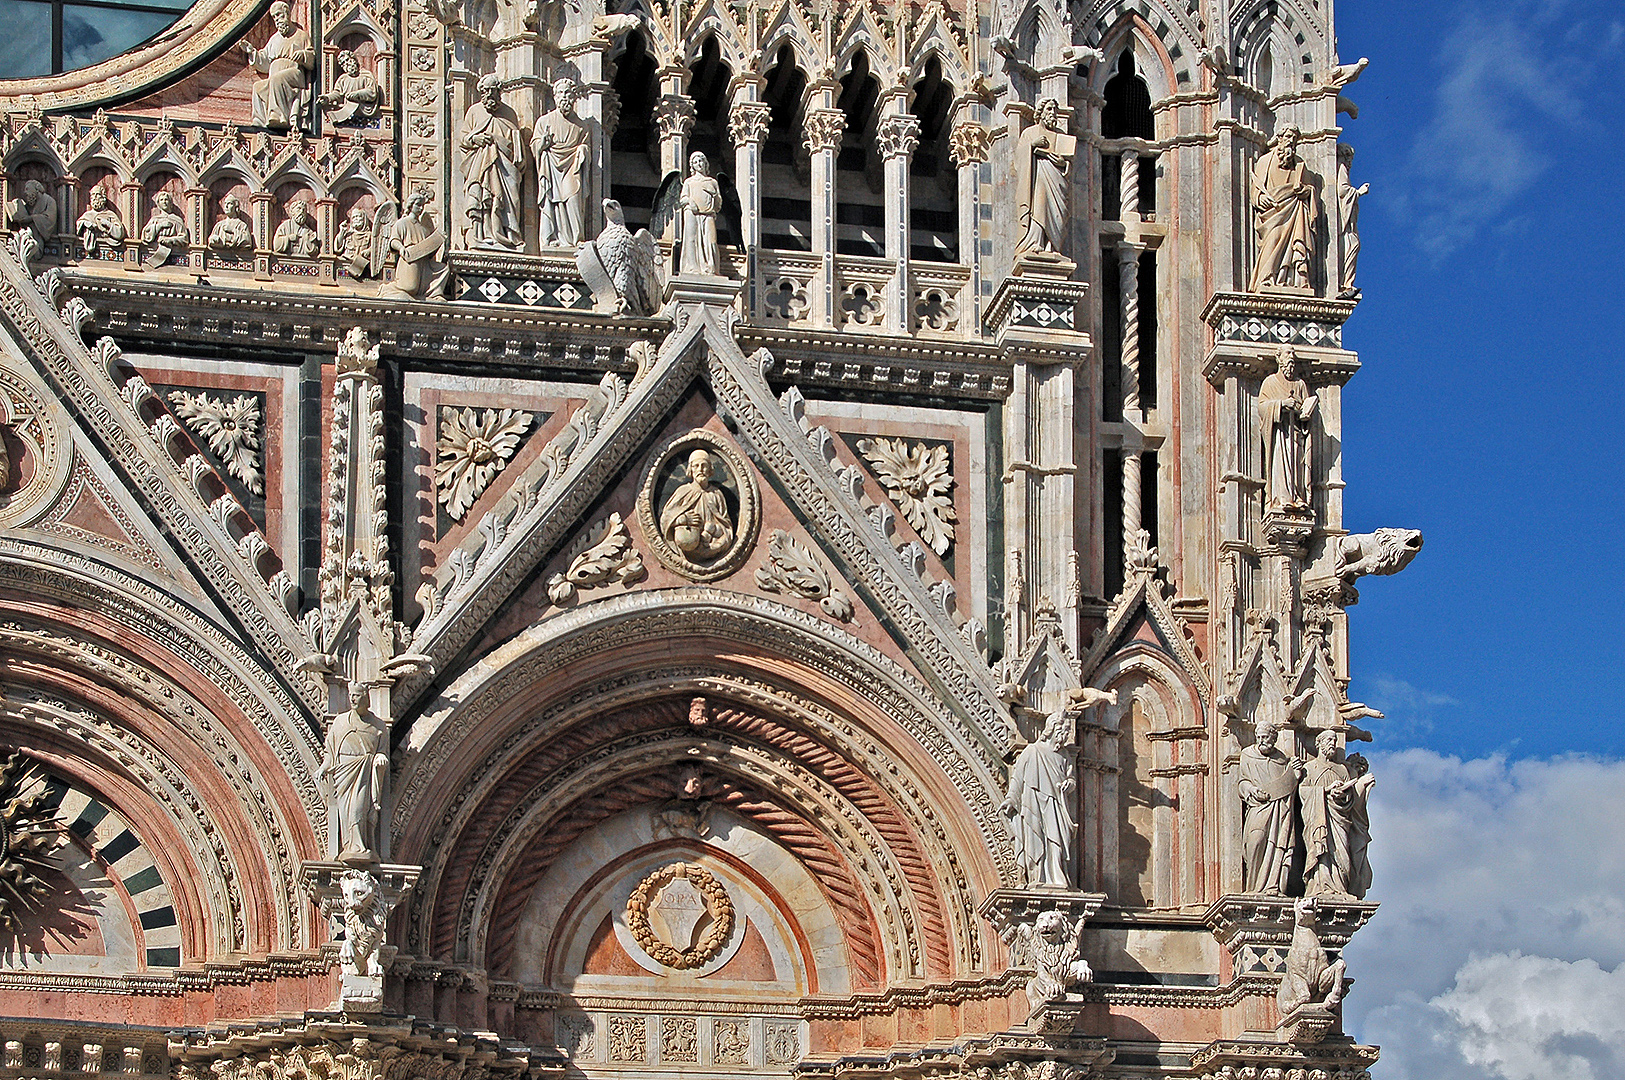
(1289, 529)
(1040, 926)
(359, 898)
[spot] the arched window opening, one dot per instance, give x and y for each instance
(1127, 115)
(860, 204)
(1265, 79)
(786, 180)
(634, 148)
(708, 88)
(933, 211)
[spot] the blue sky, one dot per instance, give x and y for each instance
(1492, 334)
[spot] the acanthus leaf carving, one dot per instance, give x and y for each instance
(919, 478)
(231, 428)
(608, 556)
(472, 449)
(791, 569)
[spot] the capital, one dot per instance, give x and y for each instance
(822, 130)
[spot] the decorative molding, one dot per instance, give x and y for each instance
(706, 557)
(605, 554)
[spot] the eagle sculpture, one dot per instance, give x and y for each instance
(621, 264)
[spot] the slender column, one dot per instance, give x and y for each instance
(897, 137)
(747, 130)
(1128, 279)
(822, 136)
(967, 149)
(674, 118)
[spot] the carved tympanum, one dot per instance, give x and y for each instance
(681, 915)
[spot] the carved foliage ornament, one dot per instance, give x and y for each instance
(472, 448)
(231, 428)
(27, 838)
(608, 555)
(792, 570)
(683, 880)
(698, 506)
(919, 479)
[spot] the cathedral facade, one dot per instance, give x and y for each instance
(710, 539)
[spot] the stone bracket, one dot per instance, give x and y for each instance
(1249, 327)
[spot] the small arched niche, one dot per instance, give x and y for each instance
(934, 181)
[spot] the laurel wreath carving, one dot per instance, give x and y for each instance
(717, 903)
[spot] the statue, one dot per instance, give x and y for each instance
(1336, 824)
(286, 61)
(699, 203)
(165, 231)
(1040, 804)
(355, 769)
(1286, 205)
(1043, 155)
(1053, 949)
(354, 97)
(1383, 552)
(621, 264)
(1285, 407)
(231, 231)
(492, 147)
(364, 917)
(696, 519)
(100, 229)
(1348, 203)
(560, 146)
(354, 243)
(36, 210)
(1308, 979)
(297, 234)
(417, 245)
(1269, 785)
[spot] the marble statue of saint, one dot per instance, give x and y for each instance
(354, 97)
(355, 768)
(1269, 787)
(1286, 206)
(560, 146)
(100, 228)
(1336, 826)
(297, 234)
(36, 210)
(165, 231)
(1348, 203)
(354, 242)
(696, 519)
(417, 244)
(283, 96)
(492, 148)
(231, 231)
(1285, 409)
(1040, 804)
(699, 203)
(1043, 155)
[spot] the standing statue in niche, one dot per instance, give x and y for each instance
(492, 147)
(1336, 824)
(355, 769)
(297, 235)
(699, 203)
(283, 96)
(696, 519)
(416, 244)
(561, 148)
(231, 231)
(36, 210)
(1041, 801)
(1286, 206)
(1269, 786)
(1348, 203)
(1043, 156)
(354, 97)
(1285, 409)
(100, 229)
(165, 231)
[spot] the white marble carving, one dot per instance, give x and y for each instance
(1286, 205)
(1309, 980)
(493, 147)
(699, 204)
(919, 479)
(165, 232)
(355, 94)
(791, 569)
(297, 234)
(282, 98)
(608, 555)
(1043, 157)
(355, 769)
(35, 210)
(1336, 823)
(355, 243)
(472, 447)
(561, 145)
(1285, 409)
(1383, 552)
(100, 229)
(417, 245)
(364, 917)
(1053, 945)
(1039, 805)
(1348, 199)
(695, 518)
(621, 268)
(1269, 788)
(231, 230)
(232, 428)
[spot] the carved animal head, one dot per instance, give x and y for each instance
(1305, 910)
(613, 212)
(1051, 926)
(359, 889)
(1384, 551)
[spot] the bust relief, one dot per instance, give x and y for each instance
(698, 506)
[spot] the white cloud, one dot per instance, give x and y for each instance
(1408, 710)
(1499, 951)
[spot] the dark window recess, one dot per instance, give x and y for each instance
(1148, 330)
(860, 214)
(1148, 494)
(634, 154)
(787, 215)
(1111, 339)
(1127, 111)
(1111, 526)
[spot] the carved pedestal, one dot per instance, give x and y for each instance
(696, 289)
(1256, 930)
(360, 899)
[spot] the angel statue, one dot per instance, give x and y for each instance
(701, 211)
(621, 264)
(417, 244)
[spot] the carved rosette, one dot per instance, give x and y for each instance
(919, 478)
(747, 123)
(232, 428)
(823, 129)
(897, 136)
(686, 521)
(680, 897)
(967, 144)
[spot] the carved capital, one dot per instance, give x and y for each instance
(897, 136)
(674, 116)
(747, 122)
(822, 130)
(967, 144)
